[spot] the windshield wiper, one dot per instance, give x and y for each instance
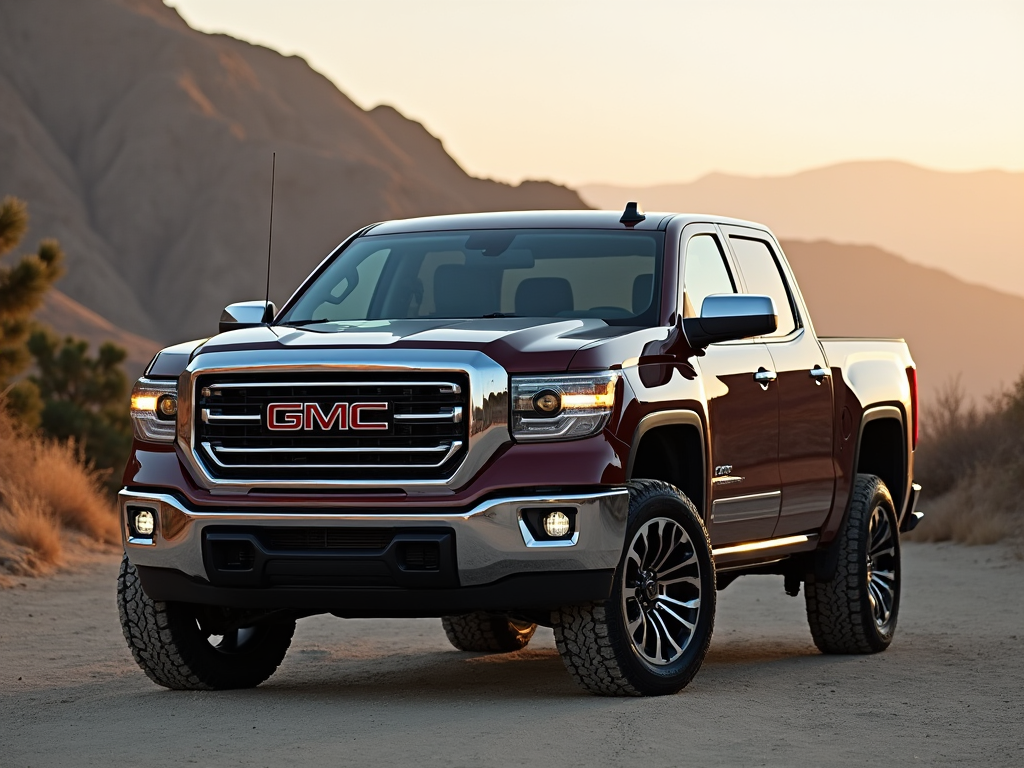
(300, 323)
(499, 314)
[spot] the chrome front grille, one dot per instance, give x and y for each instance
(414, 427)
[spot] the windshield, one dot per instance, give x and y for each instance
(613, 276)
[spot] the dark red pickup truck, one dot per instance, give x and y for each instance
(585, 420)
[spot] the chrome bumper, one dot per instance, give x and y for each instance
(491, 541)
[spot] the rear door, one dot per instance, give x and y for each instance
(743, 411)
(804, 384)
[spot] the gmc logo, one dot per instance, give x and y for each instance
(288, 417)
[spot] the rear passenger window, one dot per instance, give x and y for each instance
(704, 273)
(762, 275)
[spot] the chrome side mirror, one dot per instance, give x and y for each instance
(246, 314)
(731, 316)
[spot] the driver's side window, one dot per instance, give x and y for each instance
(704, 273)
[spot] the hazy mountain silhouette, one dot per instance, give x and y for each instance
(969, 224)
(953, 328)
(145, 147)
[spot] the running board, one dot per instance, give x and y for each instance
(769, 547)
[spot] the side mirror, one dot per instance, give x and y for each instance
(246, 314)
(730, 316)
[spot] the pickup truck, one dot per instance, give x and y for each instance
(590, 421)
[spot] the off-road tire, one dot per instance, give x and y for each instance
(174, 652)
(487, 632)
(839, 610)
(593, 639)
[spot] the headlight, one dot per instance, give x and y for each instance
(561, 407)
(155, 410)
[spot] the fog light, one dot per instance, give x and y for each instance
(145, 523)
(556, 524)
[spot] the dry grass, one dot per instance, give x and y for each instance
(971, 463)
(983, 508)
(46, 491)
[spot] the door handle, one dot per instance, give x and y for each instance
(819, 374)
(764, 377)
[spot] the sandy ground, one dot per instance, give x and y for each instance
(950, 690)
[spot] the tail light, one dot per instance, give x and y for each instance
(912, 378)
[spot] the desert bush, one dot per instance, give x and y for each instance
(46, 490)
(971, 463)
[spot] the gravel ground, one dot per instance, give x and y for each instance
(950, 690)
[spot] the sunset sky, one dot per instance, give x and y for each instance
(586, 91)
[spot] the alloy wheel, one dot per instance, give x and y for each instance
(661, 591)
(881, 567)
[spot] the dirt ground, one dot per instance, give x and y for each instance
(950, 690)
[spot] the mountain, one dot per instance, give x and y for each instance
(953, 328)
(69, 318)
(968, 224)
(145, 147)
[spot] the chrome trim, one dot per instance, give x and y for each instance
(489, 542)
(452, 387)
(454, 415)
(210, 417)
(765, 376)
(727, 480)
(487, 415)
(754, 506)
(532, 542)
(452, 449)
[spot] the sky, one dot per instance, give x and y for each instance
(662, 91)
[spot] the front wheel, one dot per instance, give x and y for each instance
(856, 610)
(179, 646)
(650, 636)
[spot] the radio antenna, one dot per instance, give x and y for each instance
(270, 240)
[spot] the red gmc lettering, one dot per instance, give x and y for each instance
(284, 416)
(357, 412)
(290, 417)
(313, 415)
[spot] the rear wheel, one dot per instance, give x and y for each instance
(856, 610)
(487, 632)
(193, 647)
(651, 635)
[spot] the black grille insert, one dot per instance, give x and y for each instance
(311, 539)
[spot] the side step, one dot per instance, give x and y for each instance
(913, 517)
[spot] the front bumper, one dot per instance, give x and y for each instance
(488, 542)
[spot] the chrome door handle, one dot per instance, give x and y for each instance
(764, 377)
(819, 374)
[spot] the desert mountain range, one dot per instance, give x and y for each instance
(145, 146)
(968, 224)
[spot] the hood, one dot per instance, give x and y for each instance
(517, 344)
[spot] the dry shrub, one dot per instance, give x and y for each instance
(45, 486)
(983, 508)
(29, 523)
(971, 464)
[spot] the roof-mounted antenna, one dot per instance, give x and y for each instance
(632, 215)
(268, 315)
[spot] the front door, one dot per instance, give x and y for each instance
(804, 384)
(743, 405)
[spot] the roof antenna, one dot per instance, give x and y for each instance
(270, 241)
(632, 215)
